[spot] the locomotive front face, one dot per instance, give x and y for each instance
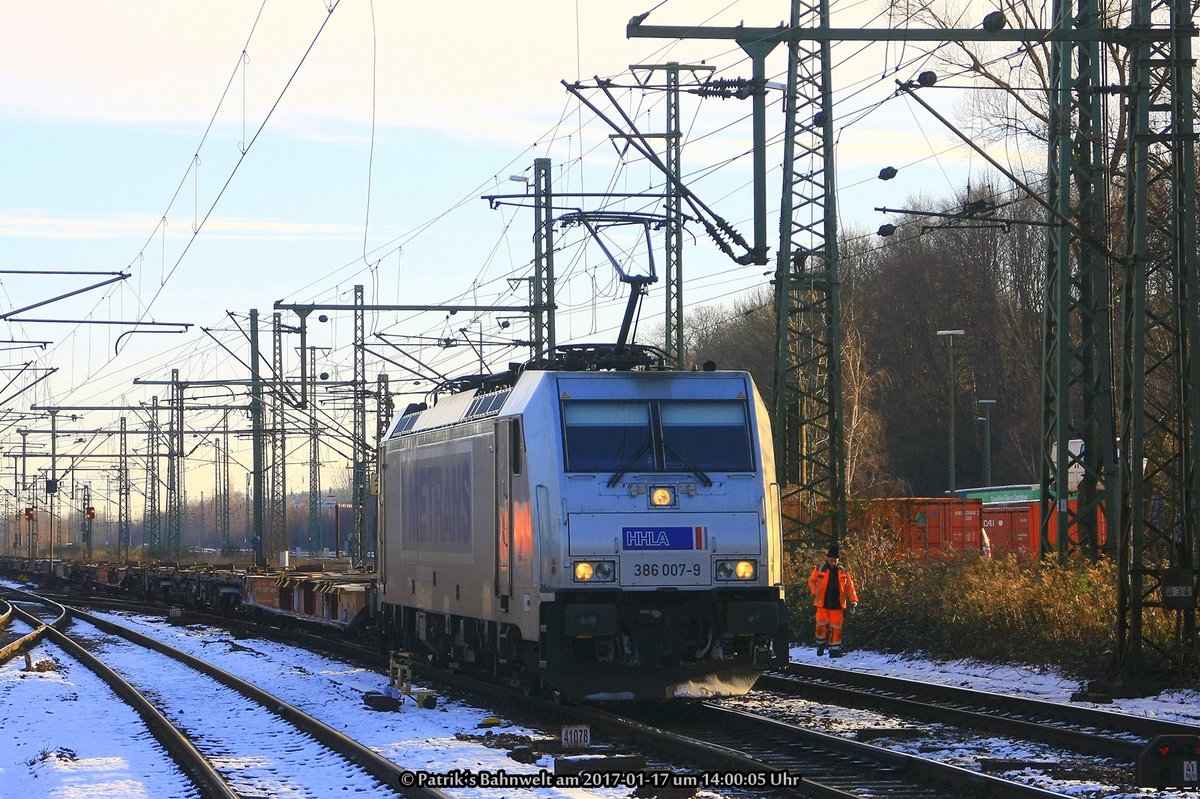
(663, 490)
(670, 563)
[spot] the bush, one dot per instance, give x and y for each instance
(1044, 614)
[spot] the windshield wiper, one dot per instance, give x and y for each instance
(704, 478)
(629, 464)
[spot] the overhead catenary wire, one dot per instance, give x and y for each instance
(487, 279)
(146, 307)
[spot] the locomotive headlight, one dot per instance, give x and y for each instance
(736, 569)
(600, 571)
(662, 497)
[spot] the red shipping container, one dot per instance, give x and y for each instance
(1010, 528)
(1016, 527)
(1101, 526)
(931, 528)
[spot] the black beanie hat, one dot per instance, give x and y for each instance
(833, 552)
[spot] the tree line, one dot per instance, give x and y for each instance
(971, 273)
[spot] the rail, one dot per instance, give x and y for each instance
(384, 770)
(1083, 729)
(16, 647)
(197, 767)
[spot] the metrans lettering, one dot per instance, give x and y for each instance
(662, 538)
(435, 503)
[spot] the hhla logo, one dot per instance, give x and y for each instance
(646, 538)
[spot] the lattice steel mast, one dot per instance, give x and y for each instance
(256, 432)
(124, 491)
(151, 515)
(673, 230)
(314, 464)
(361, 451)
(176, 499)
(276, 532)
(1160, 486)
(807, 390)
(223, 507)
(542, 287)
(1077, 383)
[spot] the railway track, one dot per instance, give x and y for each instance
(1081, 729)
(717, 749)
(12, 641)
(783, 760)
(729, 742)
(715, 743)
(251, 742)
(206, 779)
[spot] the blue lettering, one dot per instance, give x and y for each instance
(669, 538)
(641, 539)
(435, 502)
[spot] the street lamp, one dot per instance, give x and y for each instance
(987, 440)
(950, 335)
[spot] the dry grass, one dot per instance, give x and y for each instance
(1046, 614)
(41, 665)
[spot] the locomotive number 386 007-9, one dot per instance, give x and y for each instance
(666, 569)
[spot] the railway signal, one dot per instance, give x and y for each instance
(1169, 761)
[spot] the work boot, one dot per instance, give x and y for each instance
(835, 653)
(820, 649)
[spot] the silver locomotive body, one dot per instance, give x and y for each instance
(607, 535)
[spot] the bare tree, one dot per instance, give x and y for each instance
(1011, 100)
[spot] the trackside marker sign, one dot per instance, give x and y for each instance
(662, 538)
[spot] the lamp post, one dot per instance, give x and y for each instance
(950, 335)
(987, 440)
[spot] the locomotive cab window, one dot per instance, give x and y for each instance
(606, 436)
(705, 435)
(656, 436)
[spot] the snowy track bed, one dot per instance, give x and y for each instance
(69, 734)
(56, 749)
(259, 753)
(1012, 758)
(1083, 729)
(457, 736)
(453, 737)
(1038, 759)
(232, 738)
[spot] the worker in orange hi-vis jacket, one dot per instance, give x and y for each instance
(832, 589)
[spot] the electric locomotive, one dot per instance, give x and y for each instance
(601, 534)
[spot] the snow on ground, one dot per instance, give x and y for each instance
(1015, 680)
(453, 736)
(259, 753)
(68, 736)
(73, 738)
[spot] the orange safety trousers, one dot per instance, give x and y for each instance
(829, 625)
